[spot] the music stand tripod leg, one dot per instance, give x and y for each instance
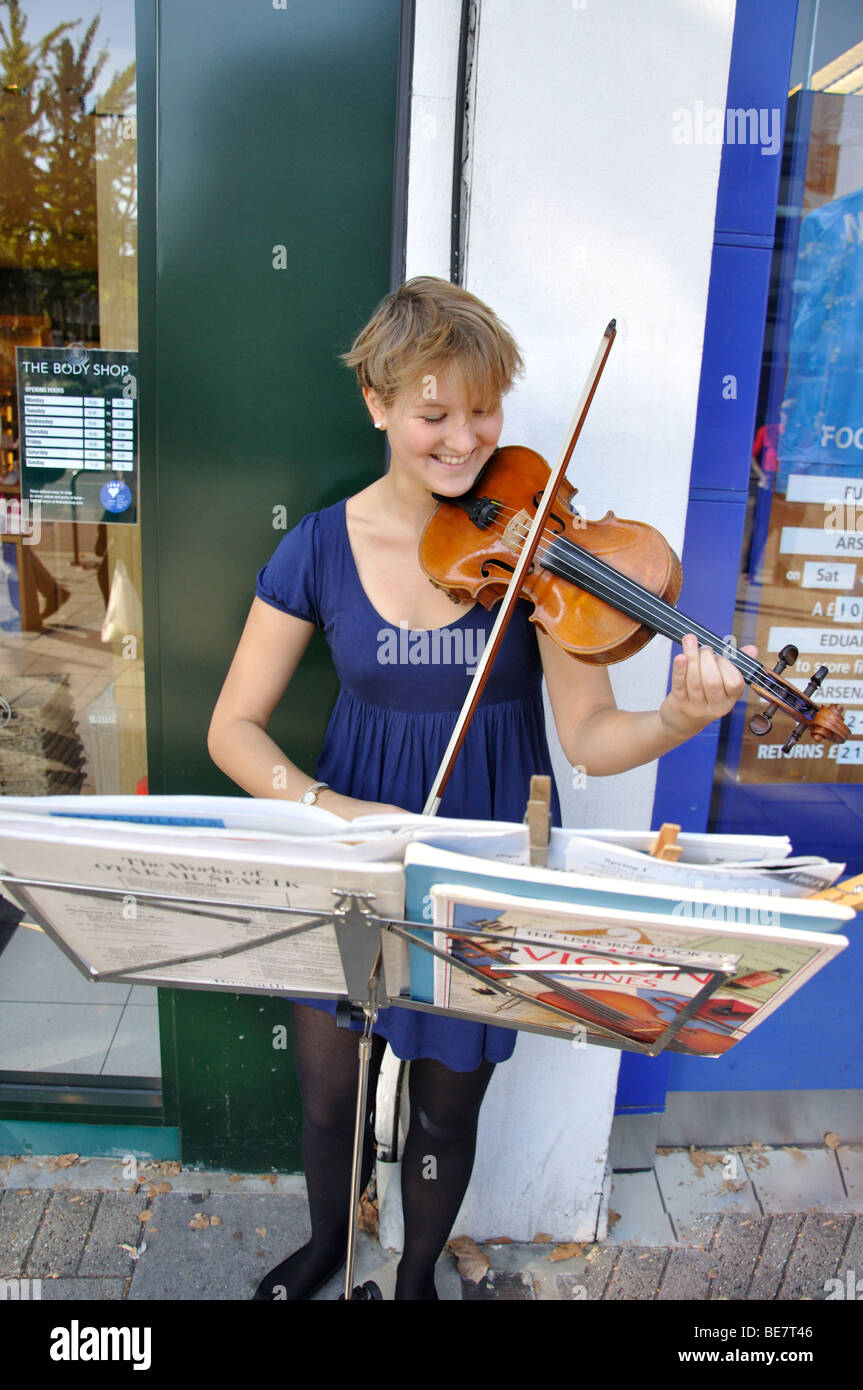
(368, 1291)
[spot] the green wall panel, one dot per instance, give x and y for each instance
(258, 128)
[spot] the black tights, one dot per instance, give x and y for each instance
(436, 1165)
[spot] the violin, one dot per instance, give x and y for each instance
(600, 589)
(618, 1012)
(641, 1020)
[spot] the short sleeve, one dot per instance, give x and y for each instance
(288, 580)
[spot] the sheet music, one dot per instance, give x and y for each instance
(128, 932)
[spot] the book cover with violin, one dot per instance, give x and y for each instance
(640, 981)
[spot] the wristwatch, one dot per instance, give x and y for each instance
(310, 796)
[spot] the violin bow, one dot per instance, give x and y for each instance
(508, 602)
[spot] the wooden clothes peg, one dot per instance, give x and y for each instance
(848, 892)
(665, 845)
(538, 819)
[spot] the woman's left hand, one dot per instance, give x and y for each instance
(704, 687)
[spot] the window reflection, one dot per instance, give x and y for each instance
(69, 591)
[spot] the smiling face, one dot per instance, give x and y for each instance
(441, 432)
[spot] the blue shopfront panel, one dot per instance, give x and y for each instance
(714, 528)
(757, 82)
(734, 335)
(730, 370)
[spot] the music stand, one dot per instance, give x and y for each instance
(361, 938)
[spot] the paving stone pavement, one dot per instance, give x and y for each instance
(186, 1235)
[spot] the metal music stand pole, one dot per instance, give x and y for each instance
(368, 1290)
(358, 935)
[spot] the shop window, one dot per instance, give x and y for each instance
(801, 578)
(72, 715)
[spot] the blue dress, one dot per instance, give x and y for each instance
(401, 692)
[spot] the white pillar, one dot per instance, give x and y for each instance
(582, 206)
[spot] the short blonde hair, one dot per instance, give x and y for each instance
(429, 323)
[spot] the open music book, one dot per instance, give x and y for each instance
(229, 894)
(631, 971)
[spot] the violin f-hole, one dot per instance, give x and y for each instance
(560, 524)
(486, 573)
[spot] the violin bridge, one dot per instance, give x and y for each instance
(515, 532)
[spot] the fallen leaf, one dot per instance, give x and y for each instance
(368, 1216)
(832, 1141)
(472, 1264)
(66, 1161)
(795, 1152)
(568, 1250)
(701, 1159)
(215, 1220)
(268, 1177)
(199, 1221)
(157, 1187)
(730, 1186)
(238, 1235)
(756, 1156)
(663, 1152)
(541, 1238)
(261, 1231)
(236, 1177)
(144, 1216)
(613, 1218)
(499, 1240)
(713, 1273)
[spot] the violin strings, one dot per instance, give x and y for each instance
(623, 587)
(619, 585)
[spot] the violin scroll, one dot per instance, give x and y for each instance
(824, 722)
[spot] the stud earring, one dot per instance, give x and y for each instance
(380, 425)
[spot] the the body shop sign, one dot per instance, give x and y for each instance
(78, 413)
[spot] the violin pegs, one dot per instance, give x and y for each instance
(761, 723)
(815, 682)
(787, 657)
(794, 737)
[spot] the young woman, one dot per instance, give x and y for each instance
(433, 364)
